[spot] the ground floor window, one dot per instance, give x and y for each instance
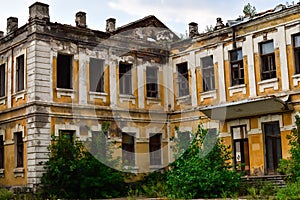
(19, 147)
(155, 149)
(128, 149)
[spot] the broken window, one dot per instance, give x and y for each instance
(19, 147)
(68, 134)
(1, 152)
(237, 67)
(183, 79)
(296, 41)
(155, 149)
(64, 71)
(2, 80)
(20, 73)
(96, 75)
(125, 78)
(268, 67)
(151, 80)
(128, 149)
(208, 73)
(98, 148)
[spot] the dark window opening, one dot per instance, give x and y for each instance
(96, 75)
(296, 42)
(125, 83)
(68, 134)
(240, 149)
(237, 67)
(208, 73)
(2, 80)
(268, 67)
(64, 71)
(155, 149)
(99, 142)
(20, 73)
(183, 79)
(1, 152)
(19, 149)
(128, 149)
(151, 80)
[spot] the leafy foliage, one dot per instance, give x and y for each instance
(249, 10)
(72, 172)
(203, 169)
(291, 167)
(292, 191)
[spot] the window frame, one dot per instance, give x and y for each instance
(155, 149)
(152, 82)
(100, 84)
(20, 73)
(183, 79)
(2, 152)
(128, 150)
(2, 80)
(208, 73)
(124, 76)
(60, 69)
(240, 69)
(268, 58)
(19, 149)
(296, 51)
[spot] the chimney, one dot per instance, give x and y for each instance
(110, 25)
(219, 24)
(12, 24)
(39, 11)
(193, 29)
(80, 19)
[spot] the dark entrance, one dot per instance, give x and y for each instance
(241, 148)
(272, 146)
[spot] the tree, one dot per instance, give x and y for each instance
(72, 172)
(203, 170)
(249, 10)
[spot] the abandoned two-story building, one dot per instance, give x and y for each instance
(241, 79)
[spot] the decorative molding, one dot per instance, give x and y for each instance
(236, 89)
(3, 100)
(98, 95)
(20, 95)
(66, 126)
(296, 79)
(65, 92)
(127, 98)
(270, 83)
(208, 94)
(185, 99)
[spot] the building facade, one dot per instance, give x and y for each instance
(241, 79)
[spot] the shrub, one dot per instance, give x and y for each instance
(6, 194)
(292, 191)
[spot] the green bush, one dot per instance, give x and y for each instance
(292, 191)
(6, 194)
(203, 169)
(72, 172)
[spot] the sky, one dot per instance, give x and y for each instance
(175, 14)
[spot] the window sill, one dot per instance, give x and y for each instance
(19, 172)
(153, 100)
(2, 100)
(127, 98)
(269, 83)
(1, 173)
(296, 79)
(155, 167)
(184, 99)
(132, 169)
(208, 94)
(236, 89)
(19, 95)
(65, 92)
(98, 95)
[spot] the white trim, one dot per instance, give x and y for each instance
(65, 92)
(229, 47)
(211, 124)
(20, 95)
(141, 85)
(237, 89)
(134, 130)
(150, 100)
(193, 85)
(94, 128)
(218, 57)
(239, 122)
(269, 83)
(98, 95)
(3, 100)
(155, 130)
(2, 132)
(291, 31)
(113, 82)
(249, 52)
(270, 118)
(9, 82)
(127, 98)
(281, 42)
(66, 126)
(208, 94)
(184, 99)
(82, 81)
(296, 79)
(18, 128)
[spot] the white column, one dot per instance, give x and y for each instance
(248, 51)
(82, 77)
(192, 67)
(112, 81)
(219, 58)
(9, 83)
(168, 84)
(281, 43)
(141, 85)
